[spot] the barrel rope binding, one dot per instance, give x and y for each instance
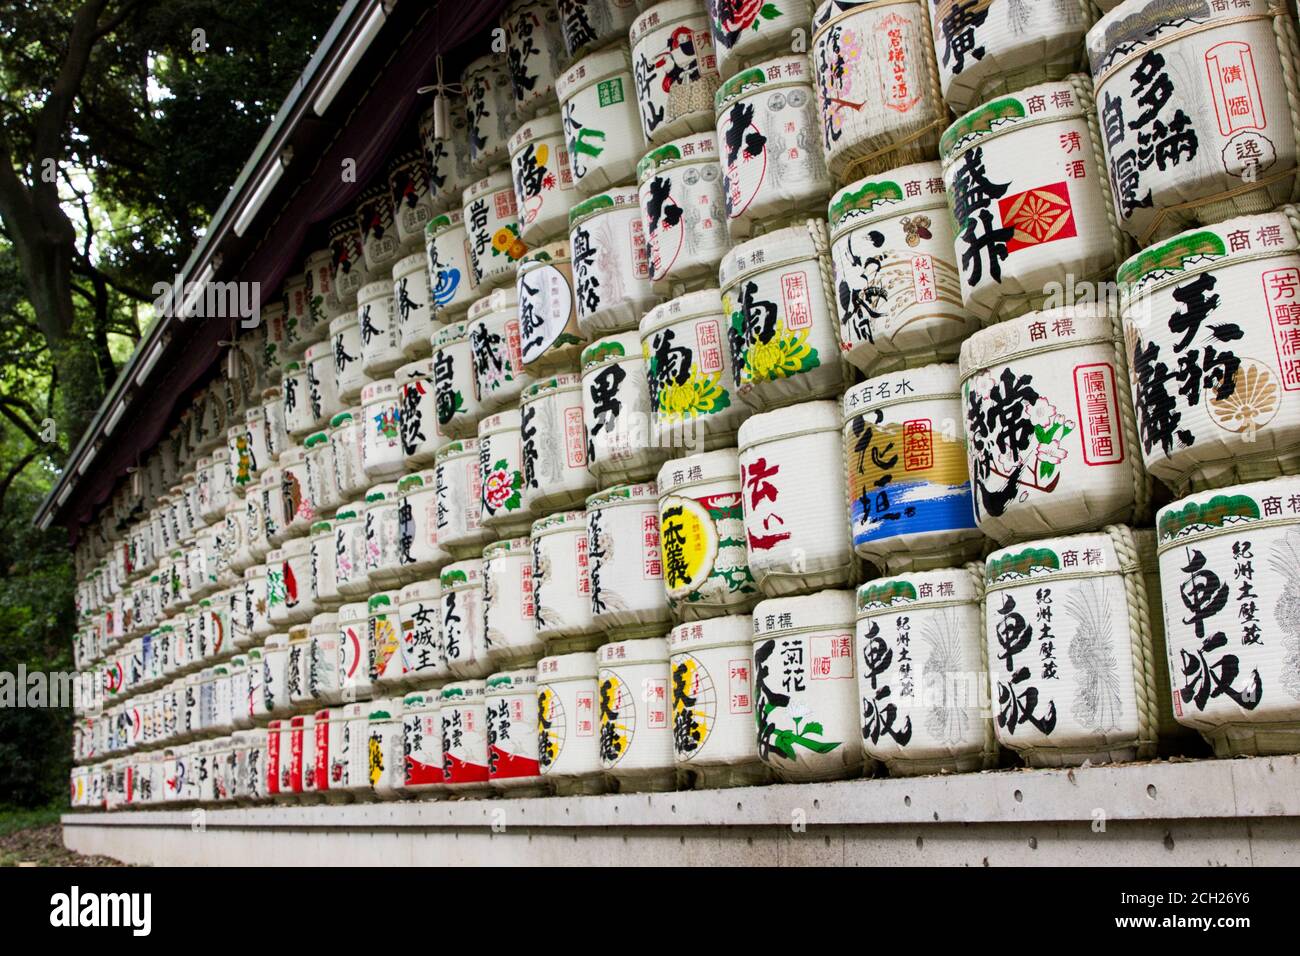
(976, 569)
(1142, 650)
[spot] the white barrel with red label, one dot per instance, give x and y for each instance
(510, 700)
(384, 624)
(602, 127)
(454, 383)
(1050, 431)
(494, 346)
(418, 405)
(795, 527)
(376, 220)
(746, 31)
(490, 104)
(543, 177)
(626, 569)
(382, 455)
(420, 604)
(616, 412)
(684, 210)
(636, 732)
(464, 736)
(898, 285)
(555, 444)
(354, 650)
(458, 483)
(805, 692)
(504, 507)
(381, 526)
(549, 338)
(568, 742)
(491, 218)
(408, 184)
(561, 578)
(422, 772)
(444, 135)
(508, 603)
(711, 671)
(452, 281)
(611, 262)
(1034, 219)
(675, 68)
(1212, 331)
(346, 259)
(535, 51)
(464, 637)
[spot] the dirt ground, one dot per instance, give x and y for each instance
(42, 845)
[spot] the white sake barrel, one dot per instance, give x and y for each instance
(1030, 201)
(294, 296)
(490, 105)
(256, 609)
(675, 68)
(453, 285)
(464, 736)
(590, 24)
(346, 431)
(611, 262)
(458, 483)
(1005, 46)
(322, 384)
(878, 85)
(323, 472)
(275, 515)
(381, 441)
(421, 610)
(346, 258)
(543, 177)
(909, 488)
(897, 280)
(778, 298)
(626, 570)
(272, 339)
(1230, 577)
(417, 526)
(504, 508)
(616, 411)
(1074, 652)
(510, 702)
(348, 375)
(684, 209)
(1199, 109)
(376, 220)
(350, 756)
(535, 51)
(636, 732)
(923, 672)
(408, 183)
(355, 652)
(508, 603)
(275, 676)
(549, 338)
(494, 348)
(797, 537)
(318, 276)
(690, 385)
(298, 667)
(746, 31)
(561, 578)
(421, 743)
(602, 127)
(412, 305)
(554, 444)
(1212, 324)
(213, 479)
(702, 537)
(491, 219)
(384, 747)
(384, 623)
(446, 151)
(329, 771)
(712, 675)
(381, 349)
(349, 534)
(805, 695)
(1049, 426)
(381, 524)
(326, 670)
(299, 601)
(240, 699)
(277, 610)
(299, 502)
(454, 384)
(768, 130)
(464, 637)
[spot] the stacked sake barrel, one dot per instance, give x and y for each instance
(901, 390)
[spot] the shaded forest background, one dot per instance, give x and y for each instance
(123, 124)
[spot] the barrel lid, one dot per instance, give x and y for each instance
(887, 196)
(321, 527)
(325, 621)
(490, 62)
(420, 701)
(511, 682)
(775, 73)
(318, 438)
(664, 15)
(823, 610)
(1132, 26)
(563, 382)
(730, 631)
(450, 335)
(1053, 101)
(1091, 554)
(345, 417)
(508, 419)
(508, 546)
(1239, 507)
(644, 493)
(387, 491)
(645, 650)
(443, 222)
(547, 124)
(548, 254)
(720, 465)
(296, 547)
(612, 348)
(339, 323)
(380, 289)
(1066, 327)
(455, 449)
(408, 264)
(420, 368)
(384, 708)
(413, 482)
(492, 182)
(917, 590)
(420, 591)
(788, 422)
(772, 250)
(275, 640)
(898, 388)
(499, 300)
(696, 148)
(560, 521)
(684, 308)
(380, 391)
(462, 692)
(462, 574)
(381, 603)
(593, 68)
(611, 200)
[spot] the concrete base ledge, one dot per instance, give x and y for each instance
(1184, 813)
